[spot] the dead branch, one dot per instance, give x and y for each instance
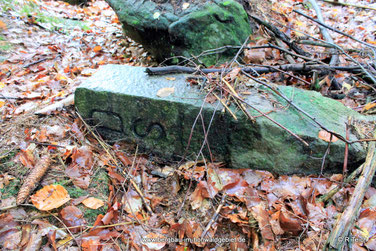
(212, 220)
(335, 30)
(303, 68)
(344, 225)
(296, 55)
(36, 62)
(350, 4)
(279, 34)
(347, 180)
(324, 31)
(363, 69)
(287, 56)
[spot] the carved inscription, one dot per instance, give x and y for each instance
(142, 128)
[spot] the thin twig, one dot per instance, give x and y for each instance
(279, 93)
(235, 95)
(45, 144)
(334, 190)
(333, 29)
(36, 62)
(340, 49)
(350, 4)
(324, 31)
(345, 223)
(225, 106)
(134, 184)
(296, 55)
(212, 220)
(279, 34)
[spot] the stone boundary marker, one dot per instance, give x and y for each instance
(122, 102)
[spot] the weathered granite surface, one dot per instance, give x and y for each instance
(122, 102)
(167, 29)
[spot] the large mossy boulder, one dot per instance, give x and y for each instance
(123, 103)
(170, 29)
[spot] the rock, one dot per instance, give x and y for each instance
(122, 102)
(169, 28)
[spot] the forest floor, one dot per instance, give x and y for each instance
(96, 196)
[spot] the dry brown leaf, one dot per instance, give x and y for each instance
(153, 244)
(97, 48)
(165, 92)
(262, 216)
(368, 106)
(324, 135)
(2, 25)
(254, 56)
(132, 202)
(80, 168)
(50, 197)
(73, 218)
(93, 203)
(32, 179)
(123, 158)
(10, 232)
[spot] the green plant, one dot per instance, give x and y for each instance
(4, 45)
(27, 8)
(7, 5)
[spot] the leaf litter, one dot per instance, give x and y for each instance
(257, 209)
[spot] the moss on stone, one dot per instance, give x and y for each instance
(131, 94)
(201, 27)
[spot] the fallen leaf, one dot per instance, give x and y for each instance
(254, 56)
(50, 197)
(170, 78)
(93, 203)
(9, 231)
(164, 92)
(91, 243)
(2, 25)
(324, 135)
(290, 223)
(132, 202)
(79, 169)
(154, 245)
(97, 48)
(368, 106)
(262, 216)
(197, 196)
(73, 218)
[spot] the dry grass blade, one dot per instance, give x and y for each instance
(32, 180)
(225, 106)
